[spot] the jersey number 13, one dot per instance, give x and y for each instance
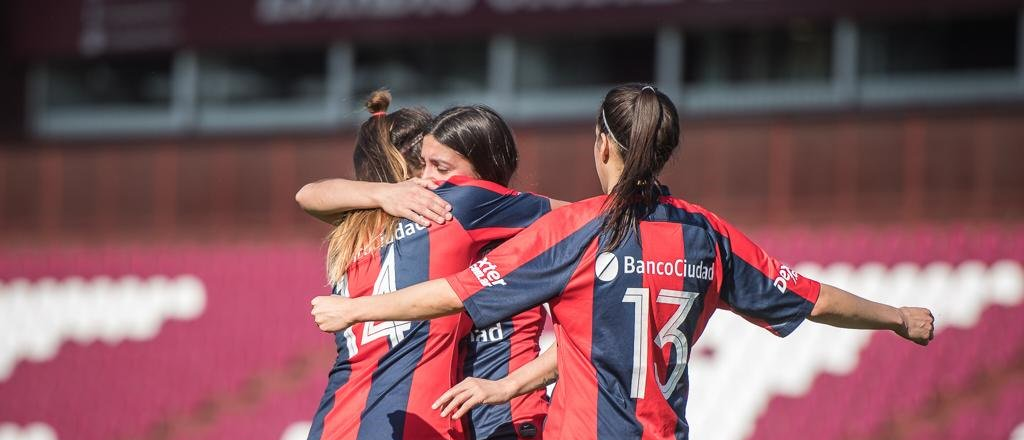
(670, 333)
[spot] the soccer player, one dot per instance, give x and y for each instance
(388, 372)
(632, 278)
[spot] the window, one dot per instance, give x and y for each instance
(113, 82)
(939, 45)
(427, 68)
(566, 62)
(798, 51)
(294, 75)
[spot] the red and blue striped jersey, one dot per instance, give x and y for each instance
(387, 374)
(491, 353)
(626, 318)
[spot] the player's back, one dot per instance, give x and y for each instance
(388, 373)
(625, 317)
(379, 363)
(646, 302)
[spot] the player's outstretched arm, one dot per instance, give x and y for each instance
(839, 308)
(474, 391)
(427, 300)
(413, 199)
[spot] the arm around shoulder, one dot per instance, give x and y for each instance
(426, 300)
(413, 199)
(329, 199)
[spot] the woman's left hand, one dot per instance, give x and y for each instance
(918, 325)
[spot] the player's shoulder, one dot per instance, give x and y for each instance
(699, 216)
(589, 206)
(683, 205)
(576, 215)
(690, 208)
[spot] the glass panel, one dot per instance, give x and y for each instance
(272, 76)
(939, 45)
(123, 81)
(427, 68)
(798, 51)
(575, 61)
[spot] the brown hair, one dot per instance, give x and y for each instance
(385, 146)
(642, 123)
(482, 136)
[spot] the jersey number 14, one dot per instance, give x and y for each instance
(385, 283)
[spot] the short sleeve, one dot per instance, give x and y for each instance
(529, 269)
(760, 288)
(488, 211)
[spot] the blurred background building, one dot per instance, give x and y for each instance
(155, 271)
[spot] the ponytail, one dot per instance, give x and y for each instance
(647, 121)
(378, 157)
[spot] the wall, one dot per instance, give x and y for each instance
(959, 165)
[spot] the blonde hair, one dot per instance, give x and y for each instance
(377, 158)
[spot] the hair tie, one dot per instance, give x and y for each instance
(648, 87)
(378, 114)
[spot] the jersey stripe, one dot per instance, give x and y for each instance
(662, 242)
(708, 302)
(338, 377)
(350, 397)
(490, 349)
(392, 381)
(391, 387)
(616, 321)
(339, 423)
(573, 412)
(524, 347)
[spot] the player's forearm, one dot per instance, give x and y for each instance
(839, 308)
(533, 376)
(329, 198)
(428, 300)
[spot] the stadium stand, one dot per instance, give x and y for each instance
(250, 364)
(254, 325)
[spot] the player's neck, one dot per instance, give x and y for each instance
(612, 180)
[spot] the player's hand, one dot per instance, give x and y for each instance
(918, 325)
(472, 392)
(414, 199)
(329, 313)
